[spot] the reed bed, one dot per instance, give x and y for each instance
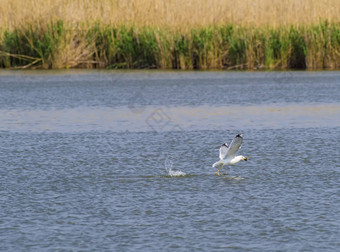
(172, 13)
(258, 34)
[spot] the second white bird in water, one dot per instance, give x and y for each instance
(227, 154)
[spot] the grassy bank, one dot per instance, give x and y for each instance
(170, 34)
(56, 45)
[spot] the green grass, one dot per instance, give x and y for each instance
(132, 47)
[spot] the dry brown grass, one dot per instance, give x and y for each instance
(171, 13)
(191, 34)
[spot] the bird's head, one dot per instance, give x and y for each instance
(244, 158)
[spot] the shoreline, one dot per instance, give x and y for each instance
(214, 47)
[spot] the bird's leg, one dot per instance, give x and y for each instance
(218, 171)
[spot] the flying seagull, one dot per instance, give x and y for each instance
(227, 154)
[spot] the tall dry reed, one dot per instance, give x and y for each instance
(172, 13)
(164, 34)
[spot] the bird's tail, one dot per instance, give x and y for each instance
(217, 163)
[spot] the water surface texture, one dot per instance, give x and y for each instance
(121, 161)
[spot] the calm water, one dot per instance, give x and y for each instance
(121, 161)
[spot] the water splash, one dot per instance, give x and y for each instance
(168, 163)
(176, 173)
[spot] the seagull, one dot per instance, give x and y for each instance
(227, 154)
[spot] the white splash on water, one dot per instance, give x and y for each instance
(168, 163)
(176, 173)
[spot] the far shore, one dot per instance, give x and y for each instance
(177, 35)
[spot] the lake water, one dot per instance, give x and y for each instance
(121, 161)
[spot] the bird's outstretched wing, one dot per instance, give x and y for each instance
(223, 151)
(234, 146)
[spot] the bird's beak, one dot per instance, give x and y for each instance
(245, 159)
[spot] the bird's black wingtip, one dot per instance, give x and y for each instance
(239, 135)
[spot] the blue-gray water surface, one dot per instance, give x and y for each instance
(121, 161)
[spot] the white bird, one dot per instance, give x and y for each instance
(227, 154)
